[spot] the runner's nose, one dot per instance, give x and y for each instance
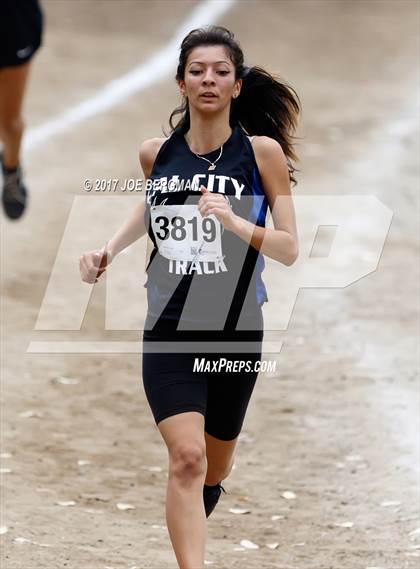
(208, 78)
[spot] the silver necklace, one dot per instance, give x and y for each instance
(212, 164)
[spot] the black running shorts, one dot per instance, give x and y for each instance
(21, 24)
(219, 387)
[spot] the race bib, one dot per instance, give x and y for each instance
(182, 234)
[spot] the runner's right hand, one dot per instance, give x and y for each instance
(93, 263)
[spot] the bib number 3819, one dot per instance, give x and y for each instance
(182, 234)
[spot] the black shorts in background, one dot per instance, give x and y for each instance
(21, 24)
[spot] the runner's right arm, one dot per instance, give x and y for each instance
(93, 263)
(134, 227)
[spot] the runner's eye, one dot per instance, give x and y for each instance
(220, 72)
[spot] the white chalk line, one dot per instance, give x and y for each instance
(156, 68)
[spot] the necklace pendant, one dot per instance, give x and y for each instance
(211, 167)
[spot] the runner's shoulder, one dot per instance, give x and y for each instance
(267, 146)
(268, 151)
(147, 153)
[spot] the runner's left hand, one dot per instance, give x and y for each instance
(217, 204)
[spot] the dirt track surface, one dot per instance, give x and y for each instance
(337, 424)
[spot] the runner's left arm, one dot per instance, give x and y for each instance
(280, 243)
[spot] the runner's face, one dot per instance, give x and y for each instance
(209, 69)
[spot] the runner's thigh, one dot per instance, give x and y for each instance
(228, 395)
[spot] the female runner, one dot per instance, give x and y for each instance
(208, 187)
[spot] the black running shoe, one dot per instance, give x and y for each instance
(14, 195)
(211, 495)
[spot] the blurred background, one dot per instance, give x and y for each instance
(337, 423)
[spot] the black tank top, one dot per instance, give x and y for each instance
(198, 272)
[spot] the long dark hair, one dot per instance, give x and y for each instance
(266, 105)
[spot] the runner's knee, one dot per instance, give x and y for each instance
(11, 126)
(188, 460)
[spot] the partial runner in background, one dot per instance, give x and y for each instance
(21, 25)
